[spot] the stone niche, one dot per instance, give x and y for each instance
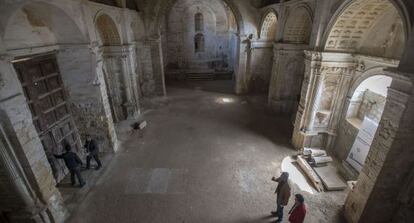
(200, 37)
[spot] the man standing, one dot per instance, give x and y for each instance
(298, 211)
(283, 194)
(73, 163)
(93, 152)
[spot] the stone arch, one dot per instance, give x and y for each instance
(40, 23)
(298, 25)
(375, 71)
(360, 26)
(268, 25)
(107, 31)
(371, 174)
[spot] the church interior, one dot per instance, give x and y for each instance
(194, 105)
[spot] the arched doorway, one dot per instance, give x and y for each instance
(362, 114)
(373, 33)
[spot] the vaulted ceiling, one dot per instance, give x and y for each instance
(263, 3)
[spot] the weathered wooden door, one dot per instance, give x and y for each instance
(47, 100)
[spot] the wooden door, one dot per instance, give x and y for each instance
(47, 100)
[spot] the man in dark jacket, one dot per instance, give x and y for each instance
(93, 152)
(283, 194)
(73, 163)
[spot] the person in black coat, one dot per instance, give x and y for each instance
(93, 152)
(73, 163)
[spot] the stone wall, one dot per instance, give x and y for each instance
(66, 29)
(261, 67)
(216, 31)
(84, 93)
(347, 133)
(371, 106)
(287, 76)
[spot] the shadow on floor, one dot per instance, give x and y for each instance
(74, 195)
(221, 86)
(256, 119)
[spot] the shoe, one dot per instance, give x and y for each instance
(273, 213)
(97, 168)
(82, 185)
(278, 220)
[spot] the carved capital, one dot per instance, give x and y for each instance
(313, 55)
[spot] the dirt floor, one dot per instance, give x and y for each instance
(205, 156)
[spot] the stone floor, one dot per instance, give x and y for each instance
(205, 156)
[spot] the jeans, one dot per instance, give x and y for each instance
(95, 157)
(78, 174)
(279, 212)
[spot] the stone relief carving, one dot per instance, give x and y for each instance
(360, 66)
(269, 26)
(355, 22)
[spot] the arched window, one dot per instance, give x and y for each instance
(199, 22)
(199, 43)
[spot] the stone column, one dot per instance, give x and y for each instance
(287, 74)
(145, 80)
(29, 151)
(157, 65)
(98, 69)
(22, 200)
(390, 159)
(243, 65)
(131, 104)
(326, 83)
(305, 108)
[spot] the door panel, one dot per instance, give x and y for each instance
(47, 100)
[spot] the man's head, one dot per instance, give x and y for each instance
(88, 137)
(299, 199)
(284, 177)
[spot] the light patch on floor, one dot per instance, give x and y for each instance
(246, 180)
(156, 181)
(296, 176)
